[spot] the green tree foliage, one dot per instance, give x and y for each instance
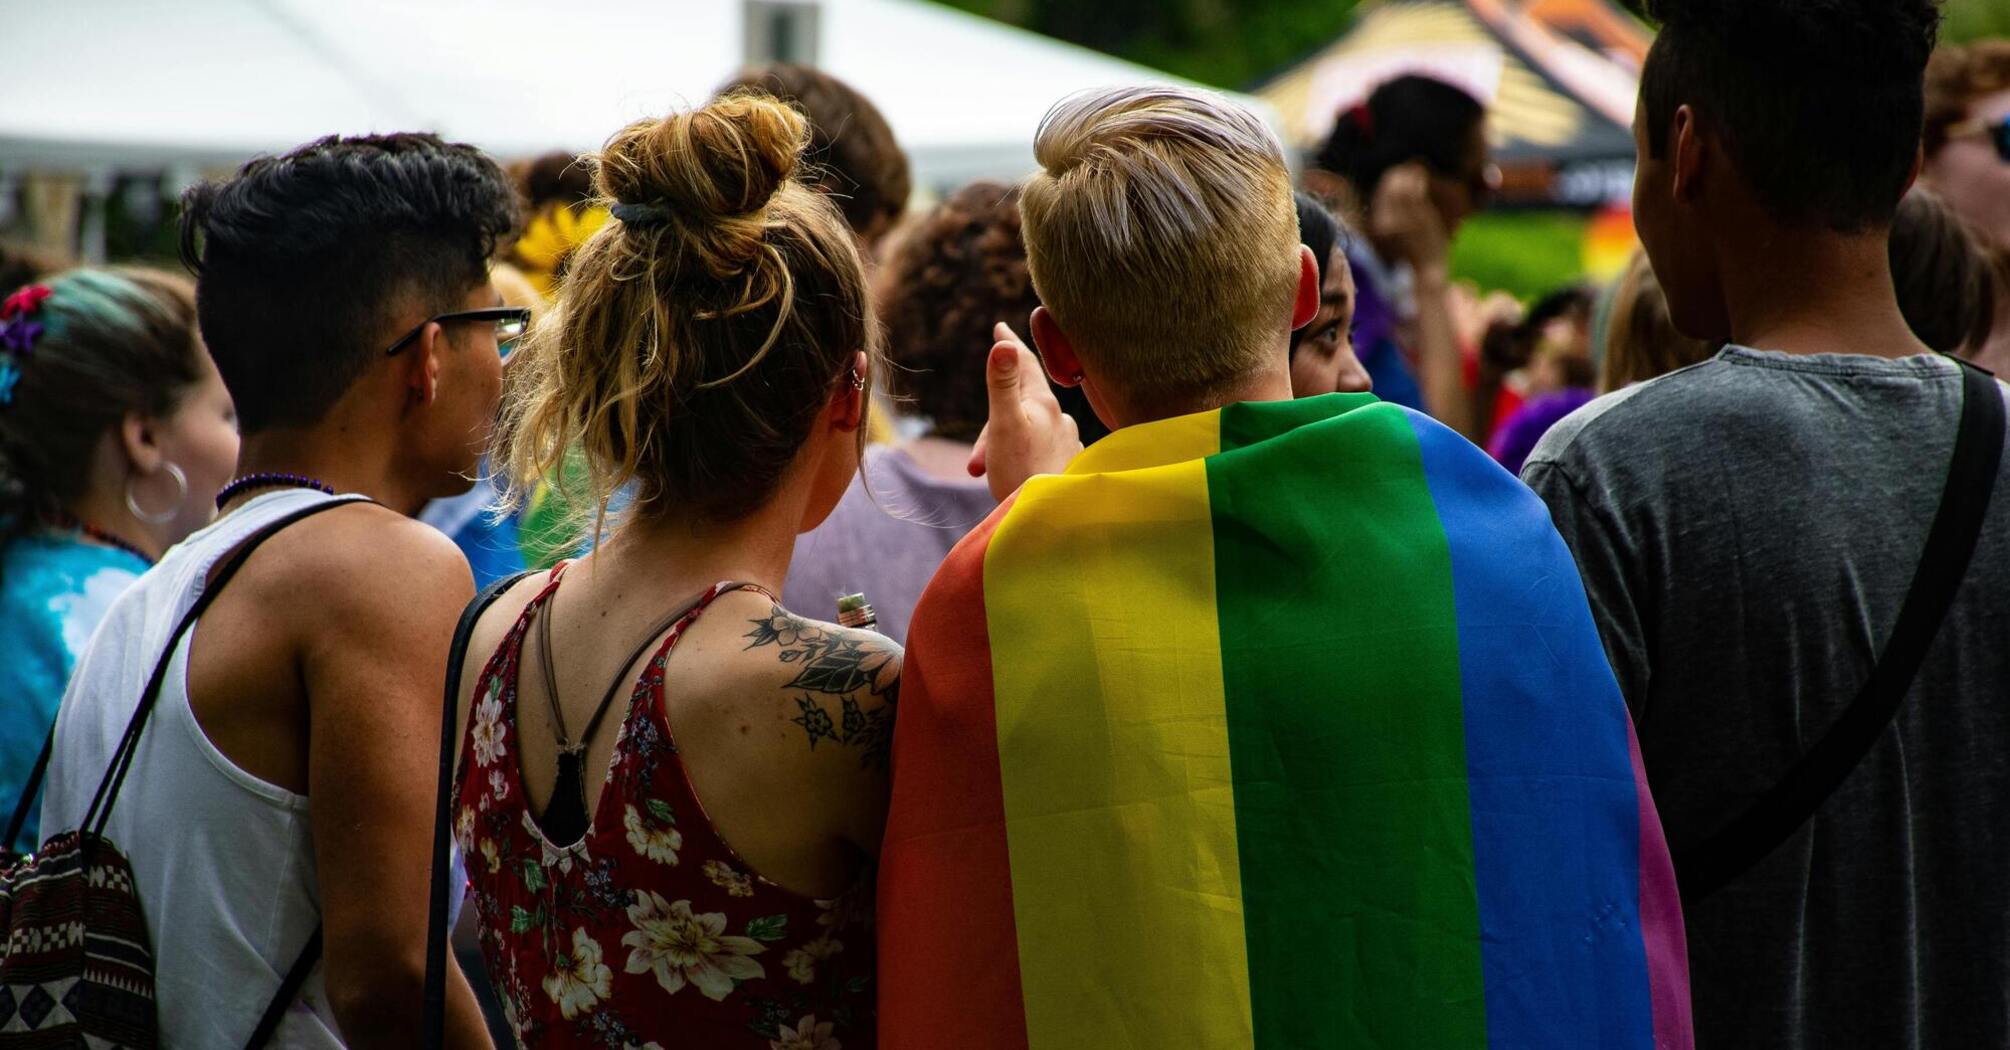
(1523, 253)
(1975, 19)
(1227, 43)
(1965, 19)
(1240, 43)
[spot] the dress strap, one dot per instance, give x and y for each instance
(536, 609)
(675, 623)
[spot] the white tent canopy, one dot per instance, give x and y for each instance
(101, 84)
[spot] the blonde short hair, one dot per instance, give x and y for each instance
(1161, 235)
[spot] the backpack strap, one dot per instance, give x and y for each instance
(29, 792)
(289, 986)
(1704, 867)
(433, 1032)
(121, 757)
(100, 811)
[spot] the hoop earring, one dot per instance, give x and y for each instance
(165, 516)
(857, 381)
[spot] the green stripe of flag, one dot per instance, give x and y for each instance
(1346, 732)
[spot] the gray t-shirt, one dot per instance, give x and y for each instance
(1747, 529)
(885, 542)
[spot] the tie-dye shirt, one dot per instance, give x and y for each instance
(54, 588)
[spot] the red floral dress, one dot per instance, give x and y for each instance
(649, 932)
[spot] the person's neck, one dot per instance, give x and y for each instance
(1271, 384)
(1820, 292)
(333, 456)
(681, 555)
(107, 512)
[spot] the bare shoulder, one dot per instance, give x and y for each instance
(494, 625)
(365, 538)
(820, 690)
(362, 569)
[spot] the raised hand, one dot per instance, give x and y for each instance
(1402, 214)
(1028, 433)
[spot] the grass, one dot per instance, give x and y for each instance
(1524, 253)
(1973, 19)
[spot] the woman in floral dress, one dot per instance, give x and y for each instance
(671, 789)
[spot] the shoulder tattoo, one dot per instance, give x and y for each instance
(835, 667)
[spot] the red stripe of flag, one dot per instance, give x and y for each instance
(948, 954)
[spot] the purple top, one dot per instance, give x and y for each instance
(886, 543)
(1517, 435)
(1380, 302)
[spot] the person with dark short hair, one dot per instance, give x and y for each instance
(1322, 352)
(1412, 164)
(282, 793)
(853, 153)
(1749, 529)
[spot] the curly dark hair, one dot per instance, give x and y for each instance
(301, 259)
(956, 272)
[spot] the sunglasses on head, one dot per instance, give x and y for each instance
(510, 322)
(1996, 131)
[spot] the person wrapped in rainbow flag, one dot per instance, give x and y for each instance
(1266, 723)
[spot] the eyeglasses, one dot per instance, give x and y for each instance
(510, 321)
(1998, 133)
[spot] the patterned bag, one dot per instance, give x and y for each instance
(76, 964)
(77, 969)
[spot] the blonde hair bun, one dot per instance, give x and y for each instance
(707, 173)
(721, 265)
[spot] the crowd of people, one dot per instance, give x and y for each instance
(1266, 640)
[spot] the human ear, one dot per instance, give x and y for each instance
(1057, 351)
(1306, 304)
(422, 373)
(848, 401)
(1688, 151)
(137, 441)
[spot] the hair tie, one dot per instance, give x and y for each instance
(642, 214)
(1364, 118)
(18, 332)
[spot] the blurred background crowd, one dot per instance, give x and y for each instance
(1522, 116)
(1465, 172)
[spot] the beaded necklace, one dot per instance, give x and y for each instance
(90, 531)
(267, 480)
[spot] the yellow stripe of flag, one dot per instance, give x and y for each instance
(1120, 815)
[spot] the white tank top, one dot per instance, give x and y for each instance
(224, 861)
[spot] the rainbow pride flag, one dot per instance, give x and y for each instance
(1279, 726)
